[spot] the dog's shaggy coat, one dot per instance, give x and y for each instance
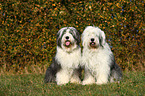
(65, 64)
(97, 58)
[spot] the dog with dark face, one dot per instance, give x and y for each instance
(97, 58)
(65, 66)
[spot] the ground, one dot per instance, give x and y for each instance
(33, 85)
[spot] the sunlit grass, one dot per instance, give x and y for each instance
(33, 85)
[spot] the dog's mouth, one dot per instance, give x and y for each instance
(93, 45)
(67, 43)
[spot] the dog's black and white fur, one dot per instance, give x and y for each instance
(97, 58)
(65, 64)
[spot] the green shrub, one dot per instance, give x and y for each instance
(29, 27)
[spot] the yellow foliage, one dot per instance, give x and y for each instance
(29, 28)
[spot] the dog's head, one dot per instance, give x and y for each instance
(68, 38)
(93, 37)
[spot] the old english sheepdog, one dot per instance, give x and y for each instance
(97, 58)
(65, 65)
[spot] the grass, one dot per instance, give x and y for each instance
(132, 84)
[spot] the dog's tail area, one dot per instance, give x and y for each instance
(116, 73)
(49, 76)
(51, 71)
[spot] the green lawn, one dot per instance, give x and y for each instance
(133, 84)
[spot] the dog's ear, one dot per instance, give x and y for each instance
(78, 37)
(59, 37)
(58, 33)
(83, 43)
(102, 38)
(82, 38)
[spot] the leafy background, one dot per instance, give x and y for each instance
(28, 30)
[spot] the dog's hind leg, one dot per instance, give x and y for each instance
(51, 71)
(102, 76)
(49, 76)
(88, 78)
(76, 76)
(62, 77)
(116, 73)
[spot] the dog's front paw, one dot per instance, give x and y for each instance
(87, 82)
(62, 83)
(101, 82)
(78, 81)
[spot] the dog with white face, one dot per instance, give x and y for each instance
(65, 66)
(97, 58)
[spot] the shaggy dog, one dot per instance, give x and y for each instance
(97, 58)
(65, 64)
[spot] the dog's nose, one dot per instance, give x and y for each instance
(67, 37)
(92, 39)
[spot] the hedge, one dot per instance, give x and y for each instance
(28, 29)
